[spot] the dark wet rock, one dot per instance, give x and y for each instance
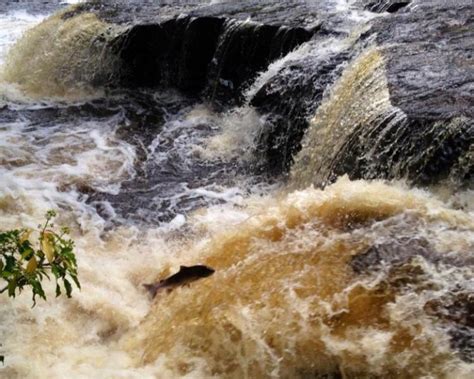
(174, 53)
(132, 107)
(409, 265)
(199, 46)
(289, 99)
(193, 54)
(269, 12)
(193, 45)
(430, 75)
(452, 311)
(393, 253)
(390, 6)
(429, 58)
(422, 151)
(246, 49)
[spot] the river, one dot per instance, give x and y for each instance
(348, 279)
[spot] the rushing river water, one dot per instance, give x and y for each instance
(361, 279)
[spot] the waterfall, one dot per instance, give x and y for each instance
(317, 155)
(62, 57)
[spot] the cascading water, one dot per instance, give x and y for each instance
(355, 279)
(359, 132)
(78, 61)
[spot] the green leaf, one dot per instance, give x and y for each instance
(11, 288)
(10, 263)
(56, 271)
(26, 251)
(68, 287)
(37, 291)
(76, 281)
(23, 267)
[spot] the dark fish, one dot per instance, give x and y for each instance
(185, 275)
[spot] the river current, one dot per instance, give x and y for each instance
(361, 279)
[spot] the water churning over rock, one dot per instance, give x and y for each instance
(317, 154)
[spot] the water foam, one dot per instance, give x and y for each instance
(12, 26)
(285, 302)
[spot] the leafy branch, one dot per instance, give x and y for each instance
(23, 265)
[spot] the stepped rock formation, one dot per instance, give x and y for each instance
(417, 124)
(375, 95)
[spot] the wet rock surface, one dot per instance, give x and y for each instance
(216, 49)
(426, 132)
(269, 12)
(424, 152)
(401, 251)
(410, 263)
(289, 99)
(390, 6)
(429, 59)
(430, 76)
(211, 54)
(456, 312)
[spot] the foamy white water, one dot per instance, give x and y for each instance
(12, 26)
(307, 282)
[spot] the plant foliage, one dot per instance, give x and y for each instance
(24, 263)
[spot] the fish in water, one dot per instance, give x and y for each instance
(185, 275)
